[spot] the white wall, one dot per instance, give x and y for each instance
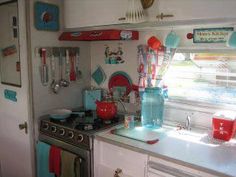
(44, 100)
(130, 66)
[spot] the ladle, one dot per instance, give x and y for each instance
(62, 82)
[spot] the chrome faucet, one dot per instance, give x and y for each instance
(188, 123)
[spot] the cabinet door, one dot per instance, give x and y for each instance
(105, 171)
(108, 158)
(85, 13)
(184, 10)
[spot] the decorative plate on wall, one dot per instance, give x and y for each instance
(46, 16)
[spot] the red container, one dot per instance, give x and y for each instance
(224, 125)
(106, 110)
(98, 35)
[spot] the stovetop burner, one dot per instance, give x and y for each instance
(77, 130)
(87, 121)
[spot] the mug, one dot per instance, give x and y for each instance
(154, 43)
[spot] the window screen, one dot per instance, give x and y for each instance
(204, 77)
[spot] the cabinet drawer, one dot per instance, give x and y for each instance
(105, 171)
(169, 169)
(130, 162)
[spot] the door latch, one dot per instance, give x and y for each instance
(24, 126)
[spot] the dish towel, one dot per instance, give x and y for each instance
(68, 164)
(42, 152)
(55, 160)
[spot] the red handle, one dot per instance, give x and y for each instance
(43, 56)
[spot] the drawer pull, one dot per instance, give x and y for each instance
(161, 16)
(121, 18)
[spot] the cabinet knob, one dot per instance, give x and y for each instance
(24, 126)
(118, 172)
(161, 16)
(122, 19)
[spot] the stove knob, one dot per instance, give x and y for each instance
(54, 129)
(62, 131)
(80, 138)
(45, 126)
(71, 134)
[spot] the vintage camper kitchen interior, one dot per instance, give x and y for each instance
(108, 88)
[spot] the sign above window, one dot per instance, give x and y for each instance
(211, 35)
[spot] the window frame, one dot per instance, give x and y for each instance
(200, 106)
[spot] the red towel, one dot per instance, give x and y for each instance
(55, 160)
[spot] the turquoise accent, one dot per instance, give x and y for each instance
(152, 108)
(232, 40)
(99, 75)
(42, 152)
(172, 40)
(10, 95)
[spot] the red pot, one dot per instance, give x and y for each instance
(106, 110)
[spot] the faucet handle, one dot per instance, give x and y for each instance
(188, 123)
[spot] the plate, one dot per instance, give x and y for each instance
(60, 114)
(119, 79)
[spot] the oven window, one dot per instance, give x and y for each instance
(203, 77)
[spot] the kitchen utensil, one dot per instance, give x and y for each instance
(72, 66)
(106, 110)
(172, 40)
(90, 97)
(77, 71)
(62, 82)
(61, 114)
(67, 67)
(154, 43)
(99, 75)
(231, 42)
(120, 79)
(55, 87)
(44, 68)
(224, 125)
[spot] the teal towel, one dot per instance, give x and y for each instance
(42, 160)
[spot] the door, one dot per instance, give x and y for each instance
(16, 159)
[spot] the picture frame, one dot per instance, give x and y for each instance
(46, 16)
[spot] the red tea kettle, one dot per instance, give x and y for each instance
(106, 109)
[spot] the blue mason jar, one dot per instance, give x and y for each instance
(152, 107)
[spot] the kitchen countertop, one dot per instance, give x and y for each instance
(189, 148)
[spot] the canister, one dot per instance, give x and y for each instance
(152, 107)
(129, 121)
(224, 125)
(90, 97)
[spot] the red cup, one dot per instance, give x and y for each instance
(154, 43)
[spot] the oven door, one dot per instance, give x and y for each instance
(83, 154)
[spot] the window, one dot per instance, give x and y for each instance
(203, 77)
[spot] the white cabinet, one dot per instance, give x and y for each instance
(184, 10)
(85, 13)
(160, 168)
(109, 158)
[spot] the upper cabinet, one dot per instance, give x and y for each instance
(88, 13)
(191, 10)
(91, 13)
